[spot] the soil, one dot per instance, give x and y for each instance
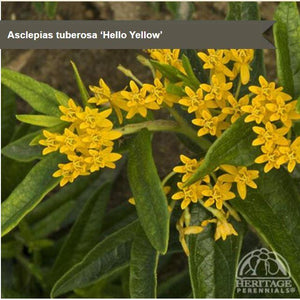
(53, 66)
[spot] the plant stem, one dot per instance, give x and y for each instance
(238, 89)
(129, 74)
(166, 179)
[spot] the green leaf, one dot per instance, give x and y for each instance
(40, 120)
(39, 7)
(234, 12)
(213, 263)
(38, 95)
(29, 192)
(108, 256)
(192, 79)
(145, 184)
(82, 89)
(21, 151)
(168, 71)
(8, 111)
(84, 234)
(273, 209)
(143, 266)
(233, 147)
(287, 37)
(52, 221)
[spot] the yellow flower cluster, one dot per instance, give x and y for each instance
(274, 111)
(87, 142)
(213, 104)
(214, 197)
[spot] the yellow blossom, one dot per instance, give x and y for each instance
(268, 91)
(270, 135)
(235, 107)
(102, 158)
(102, 93)
(218, 90)
(242, 176)
(137, 101)
(92, 118)
(290, 154)
(70, 112)
(283, 112)
(195, 100)
(271, 157)
(216, 60)
(69, 141)
(98, 138)
(242, 59)
(257, 112)
(189, 168)
(51, 142)
(217, 194)
(224, 229)
(210, 124)
(189, 194)
(158, 93)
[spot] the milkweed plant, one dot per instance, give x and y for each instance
(241, 171)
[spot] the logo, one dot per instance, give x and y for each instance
(264, 272)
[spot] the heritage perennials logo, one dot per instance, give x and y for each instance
(263, 272)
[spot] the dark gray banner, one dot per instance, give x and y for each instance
(134, 34)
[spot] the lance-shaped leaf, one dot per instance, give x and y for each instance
(8, 109)
(38, 95)
(287, 42)
(84, 234)
(143, 266)
(37, 183)
(21, 151)
(40, 120)
(82, 89)
(273, 209)
(213, 263)
(233, 147)
(105, 258)
(145, 184)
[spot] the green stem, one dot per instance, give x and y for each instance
(129, 74)
(166, 179)
(189, 131)
(237, 93)
(217, 213)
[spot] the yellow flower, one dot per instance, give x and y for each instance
(257, 112)
(98, 138)
(167, 56)
(216, 61)
(189, 168)
(71, 170)
(137, 101)
(51, 142)
(70, 112)
(218, 90)
(217, 194)
(267, 91)
(195, 100)
(235, 109)
(92, 118)
(224, 229)
(270, 135)
(242, 176)
(189, 194)
(209, 124)
(242, 59)
(102, 93)
(283, 112)
(291, 155)
(158, 93)
(271, 157)
(69, 142)
(102, 158)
